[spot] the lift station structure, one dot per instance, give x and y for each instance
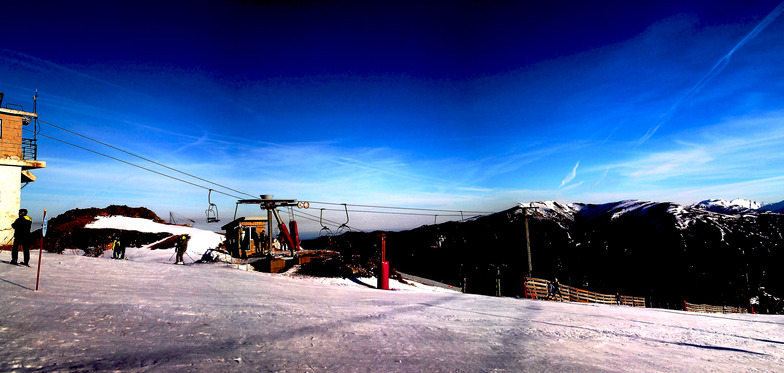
(244, 235)
(18, 155)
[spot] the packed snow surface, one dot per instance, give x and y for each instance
(94, 314)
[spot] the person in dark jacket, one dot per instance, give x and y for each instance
(549, 290)
(556, 289)
(118, 247)
(181, 246)
(21, 237)
(121, 244)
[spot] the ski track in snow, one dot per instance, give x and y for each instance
(94, 314)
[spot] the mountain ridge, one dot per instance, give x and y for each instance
(664, 251)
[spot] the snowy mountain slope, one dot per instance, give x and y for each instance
(774, 207)
(735, 206)
(200, 240)
(98, 315)
(659, 250)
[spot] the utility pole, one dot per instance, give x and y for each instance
(527, 241)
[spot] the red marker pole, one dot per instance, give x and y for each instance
(383, 276)
(40, 251)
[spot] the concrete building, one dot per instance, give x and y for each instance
(18, 155)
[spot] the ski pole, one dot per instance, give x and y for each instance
(41, 251)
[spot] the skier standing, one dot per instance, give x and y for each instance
(118, 245)
(556, 289)
(181, 246)
(549, 289)
(115, 244)
(21, 228)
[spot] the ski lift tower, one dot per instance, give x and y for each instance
(18, 155)
(266, 202)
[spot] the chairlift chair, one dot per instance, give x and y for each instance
(325, 231)
(212, 210)
(344, 227)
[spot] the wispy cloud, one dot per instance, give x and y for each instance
(571, 175)
(43, 65)
(737, 158)
(761, 190)
(664, 165)
(717, 68)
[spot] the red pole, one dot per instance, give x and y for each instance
(40, 251)
(383, 275)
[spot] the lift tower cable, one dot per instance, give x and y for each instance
(143, 158)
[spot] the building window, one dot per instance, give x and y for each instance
(1, 128)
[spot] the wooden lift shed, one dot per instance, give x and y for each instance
(290, 234)
(246, 237)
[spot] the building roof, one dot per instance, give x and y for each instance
(17, 112)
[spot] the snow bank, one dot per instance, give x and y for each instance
(371, 283)
(201, 240)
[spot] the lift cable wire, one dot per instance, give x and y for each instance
(135, 165)
(314, 218)
(240, 192)
(146, 159)
(308, 216)
(393, 212)
(400, 208)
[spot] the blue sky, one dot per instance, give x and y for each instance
(458, 105)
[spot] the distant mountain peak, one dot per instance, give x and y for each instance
(737, 205)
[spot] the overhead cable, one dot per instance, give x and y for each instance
(143, 158)
(312, 217)
(135, 165)
(400, 208)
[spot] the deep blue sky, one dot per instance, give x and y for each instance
(462, 105)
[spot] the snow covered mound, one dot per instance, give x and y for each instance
(735, 206)
(200, 240)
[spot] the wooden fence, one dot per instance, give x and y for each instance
(706, 308)
(536, 288)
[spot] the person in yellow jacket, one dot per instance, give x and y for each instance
(118, 248)
(181, 245)
(21, 237)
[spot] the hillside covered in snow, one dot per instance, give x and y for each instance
(90, 231)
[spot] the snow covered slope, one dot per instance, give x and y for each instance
(201, 240)
(734, 206)
(99, 315)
